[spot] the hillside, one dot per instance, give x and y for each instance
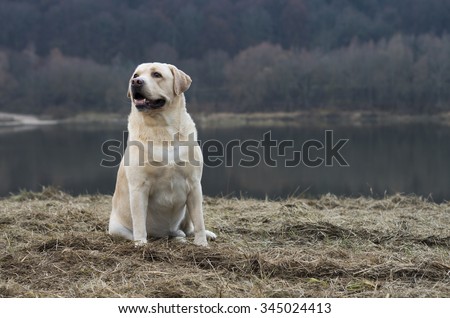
(61, 58)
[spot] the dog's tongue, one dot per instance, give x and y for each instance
(140, 102)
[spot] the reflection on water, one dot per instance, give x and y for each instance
(388, 159)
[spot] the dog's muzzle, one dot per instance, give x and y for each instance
(140, 100)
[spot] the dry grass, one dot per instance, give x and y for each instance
(55, 245)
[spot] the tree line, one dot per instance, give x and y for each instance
(64, 57)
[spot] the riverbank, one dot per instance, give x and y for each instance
(55, 245)
(12, 120)
(230, 120)
(315, 118)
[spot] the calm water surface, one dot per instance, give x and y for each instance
(412, 158)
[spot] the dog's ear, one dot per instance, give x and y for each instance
(181, 81)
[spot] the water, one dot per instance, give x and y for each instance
(411, 158)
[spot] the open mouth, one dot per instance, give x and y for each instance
(141, 102)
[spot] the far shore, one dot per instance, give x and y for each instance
(315, 118)
(231, 120)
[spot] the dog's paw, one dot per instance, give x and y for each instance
(179, 239)
(138, 243)
(201, 241)
(177, 233)
(210, 235)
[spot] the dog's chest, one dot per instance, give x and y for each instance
(169, 187)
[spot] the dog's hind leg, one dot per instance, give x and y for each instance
(186, 225)
(188, 228)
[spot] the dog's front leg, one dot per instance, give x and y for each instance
(138, 205)
(195, 210)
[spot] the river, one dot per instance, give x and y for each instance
(379, 160)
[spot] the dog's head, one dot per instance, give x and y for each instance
(154, 86)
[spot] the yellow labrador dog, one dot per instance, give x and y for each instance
(158, 191)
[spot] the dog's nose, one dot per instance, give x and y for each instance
(137, 82)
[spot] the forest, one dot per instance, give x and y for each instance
(59, 58)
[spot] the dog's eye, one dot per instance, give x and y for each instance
(156, 75)
(135, 75)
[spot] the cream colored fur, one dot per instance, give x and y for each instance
(158, 193)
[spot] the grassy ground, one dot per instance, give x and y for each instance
(55, 245)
